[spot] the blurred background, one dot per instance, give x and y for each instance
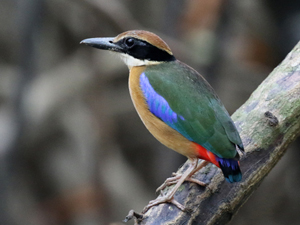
(72, 148)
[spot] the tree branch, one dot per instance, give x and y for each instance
(268, 122)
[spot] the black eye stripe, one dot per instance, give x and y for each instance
(143, 50)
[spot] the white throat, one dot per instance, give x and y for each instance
(131, 61)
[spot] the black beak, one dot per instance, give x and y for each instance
(102, 43)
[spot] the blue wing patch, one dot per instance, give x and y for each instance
(160, 107)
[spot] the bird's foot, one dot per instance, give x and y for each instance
(174, 180)
(194, 180)
(178, 179)
(169, 181)
(163, 199)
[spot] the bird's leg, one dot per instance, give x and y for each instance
(169, 197)
(174, 180)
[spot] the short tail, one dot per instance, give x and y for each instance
(230, 169)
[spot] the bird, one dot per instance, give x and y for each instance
(178, 107)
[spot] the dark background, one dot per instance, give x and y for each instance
(72, 148)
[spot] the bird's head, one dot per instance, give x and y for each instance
(136, 47)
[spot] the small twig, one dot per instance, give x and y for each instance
(132, 214)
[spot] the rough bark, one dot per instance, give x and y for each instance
(268, 122)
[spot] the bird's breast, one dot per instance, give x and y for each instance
(160, 130)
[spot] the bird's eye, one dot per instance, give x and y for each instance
(129, 42)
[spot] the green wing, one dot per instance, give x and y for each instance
(185, 101)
